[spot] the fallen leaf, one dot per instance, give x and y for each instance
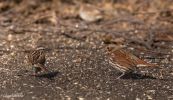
(89, 13)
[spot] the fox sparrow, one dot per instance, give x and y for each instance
(125, 61)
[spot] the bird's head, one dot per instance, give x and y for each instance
(41, 49)
(112, 48)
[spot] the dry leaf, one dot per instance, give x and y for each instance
(90, 13)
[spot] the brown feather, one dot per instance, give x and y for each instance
(37, 57)
(125, 61)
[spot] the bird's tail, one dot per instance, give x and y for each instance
(142, 63)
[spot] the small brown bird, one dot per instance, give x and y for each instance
(125, 61)
(37, 57)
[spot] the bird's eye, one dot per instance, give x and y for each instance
(109, 48)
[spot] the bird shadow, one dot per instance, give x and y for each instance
(48, 75)
(136, 76)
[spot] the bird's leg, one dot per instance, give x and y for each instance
(123, 73)
(34, 71)
(43, 67)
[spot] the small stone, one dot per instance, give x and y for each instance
(9, 37)
(80, 98)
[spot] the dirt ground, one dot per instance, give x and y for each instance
(75, 49)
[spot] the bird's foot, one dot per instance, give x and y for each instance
(119, 77)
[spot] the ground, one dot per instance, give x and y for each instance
(76, 49)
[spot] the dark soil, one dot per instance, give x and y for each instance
(75, 49)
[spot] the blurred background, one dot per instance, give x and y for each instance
(75, 33)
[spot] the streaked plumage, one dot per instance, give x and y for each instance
(37, 57)
(125, 61)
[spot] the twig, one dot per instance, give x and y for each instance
(114, 21)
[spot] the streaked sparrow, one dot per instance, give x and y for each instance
(125, 61)
(37, 57)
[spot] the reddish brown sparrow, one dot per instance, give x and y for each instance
(37, 57)
(125, 61)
